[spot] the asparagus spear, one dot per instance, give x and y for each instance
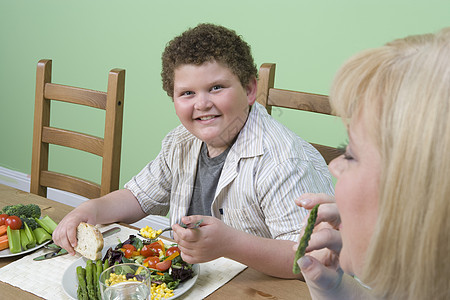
(90, 279)
(99, 270)
(106, 264)
(305, 238)
(94, 280)
(81, 291)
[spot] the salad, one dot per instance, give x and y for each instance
(165, 263)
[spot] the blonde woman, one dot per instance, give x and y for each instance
(391, 214)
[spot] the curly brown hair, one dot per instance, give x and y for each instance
(206, 43)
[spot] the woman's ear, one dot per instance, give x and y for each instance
(251, 91)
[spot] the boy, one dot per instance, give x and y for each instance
(229, 163)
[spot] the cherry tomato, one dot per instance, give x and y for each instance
(14, 222)
(172, 250)
(164, 265)
(152, 262)
(129, 246)
(148, 251)
(156, 247)
(128, 253)
(3, 218)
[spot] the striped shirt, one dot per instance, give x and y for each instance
(266, 169)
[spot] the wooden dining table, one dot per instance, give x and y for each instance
(249, 284)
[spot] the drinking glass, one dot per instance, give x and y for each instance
(138, 289)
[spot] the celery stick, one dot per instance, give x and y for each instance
(47, 223)
(14, 240)
(41, 235)
(30, 236)
(23, 239)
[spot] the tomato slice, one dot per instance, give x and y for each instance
(128, 253)
(129, 246)
(148, 251)
(151, 261)
(164, 265)
(172, 250)
(156, 247)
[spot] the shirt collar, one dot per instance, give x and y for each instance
(249, 142)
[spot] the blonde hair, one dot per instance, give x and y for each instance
(402, 92)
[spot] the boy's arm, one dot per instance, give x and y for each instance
(118, 206)
(269, 256)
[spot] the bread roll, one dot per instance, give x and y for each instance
(90, 241)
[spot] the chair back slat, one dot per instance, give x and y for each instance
(299, 100)
(72, 139)
(269, 97)
(75, 95)
(70, 184)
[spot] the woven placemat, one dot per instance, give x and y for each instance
(44, 278)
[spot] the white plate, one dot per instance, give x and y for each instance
(7, 253)
(70, 281)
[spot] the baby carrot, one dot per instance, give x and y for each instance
(2, 229)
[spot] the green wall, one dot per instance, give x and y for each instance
(308, 40)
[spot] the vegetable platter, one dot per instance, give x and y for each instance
(23, 229)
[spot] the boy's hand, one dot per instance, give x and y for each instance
(205, 243)
(65, 234)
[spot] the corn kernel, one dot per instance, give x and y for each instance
(149, 232)
(160, 291)
(117, 278)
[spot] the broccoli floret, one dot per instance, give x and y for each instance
(31, 222)
(33, 211)
(28, 211)
(14, 210)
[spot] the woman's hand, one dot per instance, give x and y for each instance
(320, 268)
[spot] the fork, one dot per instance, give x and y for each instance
(196, 225)
(147, 240)
(156, 236)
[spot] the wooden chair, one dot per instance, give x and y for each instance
(270, 97)
(108, 147)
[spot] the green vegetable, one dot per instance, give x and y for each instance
(41, 235)
(305, 238)
(23, 239)
(47, 223)
(106, 264)
(99, 269)
(82, 290)
(133, 240)
(21, 210)
(139, 259)
(31, 222)
(30, 236)
(173, 284)
(14, 240)
(90, 279)
(94, 279)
